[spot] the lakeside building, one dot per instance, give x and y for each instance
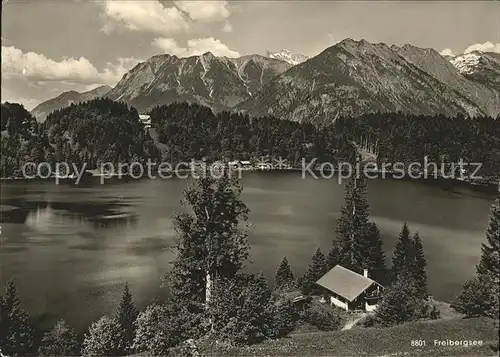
(349, 290)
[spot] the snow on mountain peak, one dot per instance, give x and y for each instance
(287, 56)
(466, 63)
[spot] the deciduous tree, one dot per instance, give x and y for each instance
(241, 309)
(211, 243)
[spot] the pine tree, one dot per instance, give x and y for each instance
(127, 314)
(105, 338)
(333, 257)
(284, 279)
(61, 340)
(420, 264)
(211, 244)
(317, 268)
(285, 316)
(374, 259)
(490, 251)
(358, 245)
(352, 225)
(16, 331)
(403, 260)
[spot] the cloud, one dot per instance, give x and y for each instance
(37, 67)
(151, 16)
(145, 16)
(195, 47)
(169, 45)
(227, 27)
(205, 11)
(484, 47)
(115, 71)
(447, 52)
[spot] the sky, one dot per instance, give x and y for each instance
(51, 46)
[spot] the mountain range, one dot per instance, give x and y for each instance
(350, 78)
(65, 99)
(217, 82)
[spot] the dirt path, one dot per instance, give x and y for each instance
(352, 321)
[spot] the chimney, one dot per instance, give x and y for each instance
(365, 273)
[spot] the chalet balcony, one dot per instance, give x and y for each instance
(373, 296)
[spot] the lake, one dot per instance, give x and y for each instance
(71, 248)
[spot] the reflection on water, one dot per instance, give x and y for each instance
(41, 214)
(71, 249)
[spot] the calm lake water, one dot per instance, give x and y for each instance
(70, 248)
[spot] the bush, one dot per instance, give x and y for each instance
(401, 303)
(59, 341)
(241, 309)
(105, 338)
(322, 318)
(160, 327)
(186, 349)
(153, 332)
(430, 311)
(368, 321)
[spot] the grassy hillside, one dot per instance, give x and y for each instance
(394, 341)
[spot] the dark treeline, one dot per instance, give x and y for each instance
(193, 131)
(105, 131)
(21, 141)
(408, 138)
(93, 132)
(98, 131)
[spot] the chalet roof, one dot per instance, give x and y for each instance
(345, 282)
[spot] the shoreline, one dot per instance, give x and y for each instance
(381, 174)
